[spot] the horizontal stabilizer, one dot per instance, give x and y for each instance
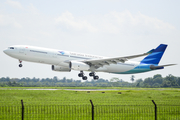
(152, 67)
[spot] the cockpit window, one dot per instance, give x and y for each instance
(11, 47)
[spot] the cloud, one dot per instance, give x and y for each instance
(33, 9)
(15, 4)
(76, 23)
(123, 22)
(8, 20)
(115, 23)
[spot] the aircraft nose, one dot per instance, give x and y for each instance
(5, 51)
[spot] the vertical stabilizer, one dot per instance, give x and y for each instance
(155, 56)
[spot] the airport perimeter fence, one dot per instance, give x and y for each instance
(26, 111)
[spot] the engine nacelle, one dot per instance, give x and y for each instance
(61, 69)
(75, 65)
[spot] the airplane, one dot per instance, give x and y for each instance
(65, 61)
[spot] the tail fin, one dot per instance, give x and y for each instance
(155, 56)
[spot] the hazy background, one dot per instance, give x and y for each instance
(101, 27)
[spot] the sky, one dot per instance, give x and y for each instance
(108, 28)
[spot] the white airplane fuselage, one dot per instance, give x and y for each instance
(65, 61)
(55, 57)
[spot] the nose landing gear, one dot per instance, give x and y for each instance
(20, 65)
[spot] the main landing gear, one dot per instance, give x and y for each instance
(81, 74)
(92, 74)
(20, 65)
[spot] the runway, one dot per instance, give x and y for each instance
(89, 89)
(59, 89)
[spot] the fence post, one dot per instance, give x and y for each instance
(155, 109)
(92, 109)
(22, 109)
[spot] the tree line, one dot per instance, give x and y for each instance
(156, 81)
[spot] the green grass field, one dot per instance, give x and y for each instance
(63, 104)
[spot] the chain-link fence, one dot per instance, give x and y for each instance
(89, 112)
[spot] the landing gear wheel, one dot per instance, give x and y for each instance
(20, 65)
(91, 74)
(96, 77)
(84, 78)
(80, 74)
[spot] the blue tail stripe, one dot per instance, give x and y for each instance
(149, 59)
(152, 54)
(155, 56)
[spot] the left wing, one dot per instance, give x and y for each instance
(107, 61)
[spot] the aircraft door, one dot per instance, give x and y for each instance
(21, 50)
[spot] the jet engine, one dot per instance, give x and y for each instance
(61, 69)
(75, 65)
